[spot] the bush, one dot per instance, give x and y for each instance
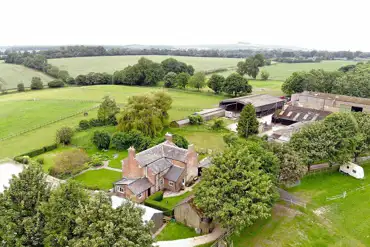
(20, 87)
(180, 141)
(170, 80)
(36, 152)
(69, 163)
(97, 159)
(95, 123)
(218, 124)
(101, 139)
(196, 119)
(56, 83)
(40, 160)
(124, 140)
(36, 83)
(22, 159)
(157, 196)
(64, 135)
(84, 124)
(265, 75)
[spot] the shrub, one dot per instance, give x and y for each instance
(157, 196)
(69, 163)
(36, 83)
(180, 141)
(264, 75)
(20, 87)
(70, 80)
(124, 140)
(218, 124)
(40, 160)
(196, 119)
(56, 83)
(97, 159)
(22, 159)
(170, 80)
(39, 151)
(101, 139)
(64, 135)
(168, 211)
(84, 124)
(95, 123)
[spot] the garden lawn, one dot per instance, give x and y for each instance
(14, 74)
(340, 222)
(174, 231)
(102, 179)
(110, 64)
(171, 202)
(17, 116)
(117, 162)
(49, 157)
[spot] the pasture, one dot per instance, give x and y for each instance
(109, 64)
(339, 222)
(38, 107)
(14, 74)
(281, 71)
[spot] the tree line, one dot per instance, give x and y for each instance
(84, 51)
(351, 80)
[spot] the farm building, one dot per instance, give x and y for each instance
(263, 103)
(150, 214)
(204, 164)
(284, 133)
(206, 114)
(293, 114)
(331, 102)
(188, 214)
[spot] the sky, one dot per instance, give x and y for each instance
(311, 24)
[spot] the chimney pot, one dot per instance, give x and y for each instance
(168, 137)
(131, 152)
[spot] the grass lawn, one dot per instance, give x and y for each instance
(14, 74)
(171, 202)
(50, 156)
(16, 116)
(84, 65)
(117, 162)
(341, 222)
(102, 179)
(205, 245)
(174, 231)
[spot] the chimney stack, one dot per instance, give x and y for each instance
(131, 153)
(191, 148)
(168, 137)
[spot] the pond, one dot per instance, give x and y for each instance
(8, 169)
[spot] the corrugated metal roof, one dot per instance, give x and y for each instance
(301, 114)
(255, 100)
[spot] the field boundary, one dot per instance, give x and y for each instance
(46, 124)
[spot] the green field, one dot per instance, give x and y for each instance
(14, 74)
(184, 104)
(18, 116)
(174, 231)
(341, 222)
(99, 179)
(281, 71)
(84, 65)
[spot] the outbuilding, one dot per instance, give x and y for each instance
(264, 104)
(353, 170)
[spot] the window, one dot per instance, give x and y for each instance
(170, 183)
(120, 189)
(356, 109)
(140, 195)
(161, 181)
(354, 171)
(347, 167)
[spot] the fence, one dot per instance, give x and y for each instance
(224, 240)
(46, 124)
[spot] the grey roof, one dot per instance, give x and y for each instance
(336, 97)
(174, 173)
(284, 134)
(140, 185)
(301, 114)
(160, 165)
(124, 181)
(183, 121)
(208, 111)
(206, 162)
(255, 100)
(163, 150)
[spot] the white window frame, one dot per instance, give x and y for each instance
(161, 181)
(120, 189)
(139, 196)
(170, 183)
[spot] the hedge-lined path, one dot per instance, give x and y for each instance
(104, 166)
(191, 242)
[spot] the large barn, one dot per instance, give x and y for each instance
(263, 103)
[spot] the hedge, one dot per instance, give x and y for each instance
(157, 196)
(158, 205)
(36, 152)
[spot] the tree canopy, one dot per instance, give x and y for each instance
(107, 109)
(251, 65)
(216, 83)
(248, 123)
(236, 84)
(234, 191)
(198, 80)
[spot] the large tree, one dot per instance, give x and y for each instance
(170, 79)
(236, 84)
(21, 221)
(98, 224)
(198, 80)
(234, 191)
(248, 123)
(296, 83)
(61, 213)
(107, 110)
(146, 113)
(182, 79)
(216, 83)
(363, 137)
(251, 65)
